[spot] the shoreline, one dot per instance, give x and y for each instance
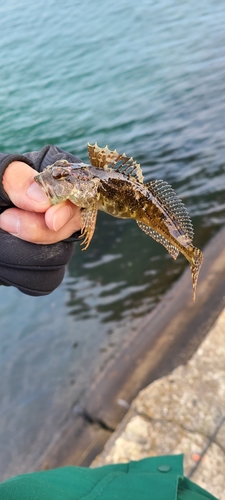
(180, 413)
(166, 338)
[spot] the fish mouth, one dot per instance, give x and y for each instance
(48, 190)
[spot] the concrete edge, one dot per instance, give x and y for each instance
(165, 338)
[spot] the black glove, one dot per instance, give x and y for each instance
(34, 269)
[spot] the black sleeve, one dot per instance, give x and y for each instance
(33, 269)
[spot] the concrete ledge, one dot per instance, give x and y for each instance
(77, 444)
(183, 412)
(165, 338)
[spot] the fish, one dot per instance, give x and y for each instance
(114, 183)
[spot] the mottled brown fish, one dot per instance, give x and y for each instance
(114, 183)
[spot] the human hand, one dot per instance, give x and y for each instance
(33, 218)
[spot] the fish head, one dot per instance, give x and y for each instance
(62, 181)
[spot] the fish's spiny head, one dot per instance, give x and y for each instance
(55, 181)
(68, 181)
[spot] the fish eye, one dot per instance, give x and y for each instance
(59, 173)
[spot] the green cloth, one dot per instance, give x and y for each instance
(157, 478)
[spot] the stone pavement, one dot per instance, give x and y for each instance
(183, 412)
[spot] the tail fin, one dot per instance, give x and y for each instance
(195, 264)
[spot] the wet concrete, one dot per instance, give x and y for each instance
(183, 412)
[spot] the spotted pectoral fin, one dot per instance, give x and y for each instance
(106, 159)
(160, 239)
(88, 223)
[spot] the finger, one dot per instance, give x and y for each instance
(31, 226)
(58, 215)
(18, 182)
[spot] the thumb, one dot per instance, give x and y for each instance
(19, 184)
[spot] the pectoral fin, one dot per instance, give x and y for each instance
(161, 239)
(88, 222)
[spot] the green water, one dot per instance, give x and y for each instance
(146, 78)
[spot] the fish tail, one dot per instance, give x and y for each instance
(195, 263)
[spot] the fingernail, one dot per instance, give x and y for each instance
(35, 193)
(61, 217)
(10, 223)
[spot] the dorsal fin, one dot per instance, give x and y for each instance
(165, 193)
(106, 159)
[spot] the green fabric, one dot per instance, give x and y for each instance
(157, 478)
